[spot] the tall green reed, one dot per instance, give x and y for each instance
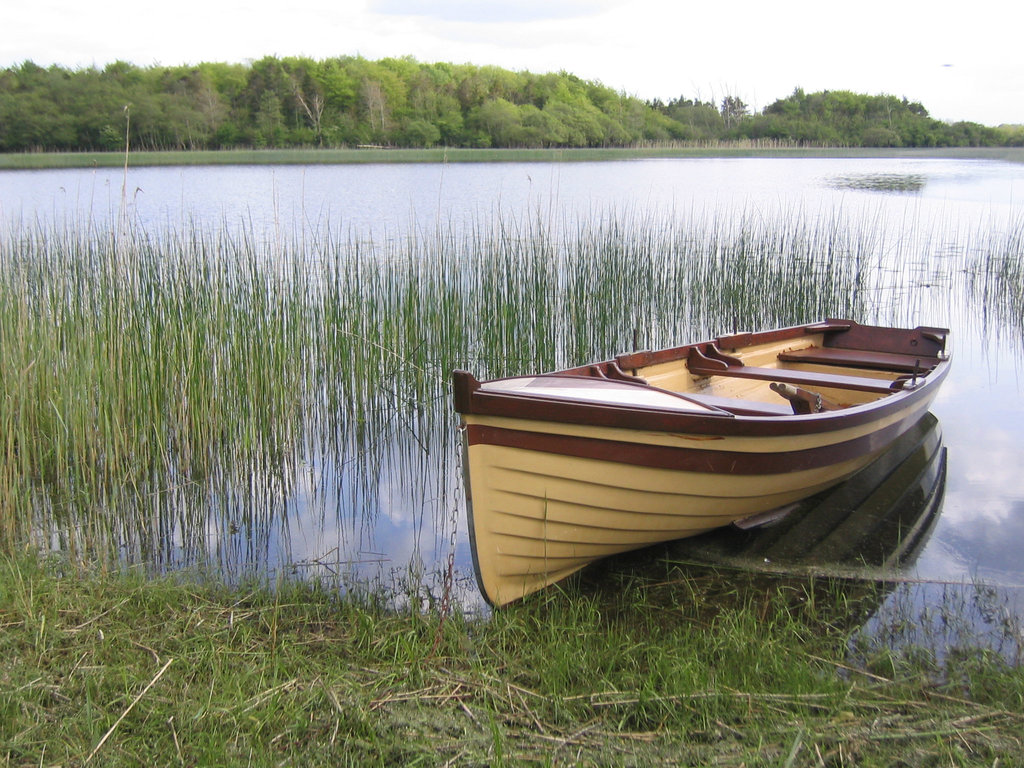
(159, 385)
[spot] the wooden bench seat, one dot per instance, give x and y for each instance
(859, 358)
(700, 364)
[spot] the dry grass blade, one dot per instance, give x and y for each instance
(128, 709)
(260, 698)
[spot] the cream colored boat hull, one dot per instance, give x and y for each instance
(539, 516)
(565, 468)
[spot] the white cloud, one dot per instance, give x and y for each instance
(475, 11)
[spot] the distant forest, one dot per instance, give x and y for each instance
(400, 102)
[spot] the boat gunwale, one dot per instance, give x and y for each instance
(837, 332)
(472, 399)
(479, 402)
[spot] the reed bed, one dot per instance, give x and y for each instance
(310, 156)
(995, 283)
(161, 391)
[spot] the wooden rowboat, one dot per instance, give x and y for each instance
(565, 468)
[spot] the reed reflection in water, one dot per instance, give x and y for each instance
(904, 183)
(197, 399)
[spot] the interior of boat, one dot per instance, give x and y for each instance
(805, 373)
(810, 369)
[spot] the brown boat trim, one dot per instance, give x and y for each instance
(929, 342)
(687, 458)
(642, 359)
(471, 399)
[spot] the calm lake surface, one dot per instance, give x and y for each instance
(386, 200)
(409, 516)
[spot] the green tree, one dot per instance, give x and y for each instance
(540, 128)
(269, 123)
(733, 110)
(495, 123)
(350, 100)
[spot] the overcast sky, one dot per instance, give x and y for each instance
(962, 62)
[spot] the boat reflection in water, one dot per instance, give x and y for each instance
(870, 526)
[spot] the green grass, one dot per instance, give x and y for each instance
(692, 670)
(454, 155)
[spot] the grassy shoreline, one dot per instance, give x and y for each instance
(53, 160)
(681, 669)
(121, 669)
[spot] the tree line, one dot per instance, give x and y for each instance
(401, 102)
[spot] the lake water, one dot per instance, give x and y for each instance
(420, 516)
(382, 200)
